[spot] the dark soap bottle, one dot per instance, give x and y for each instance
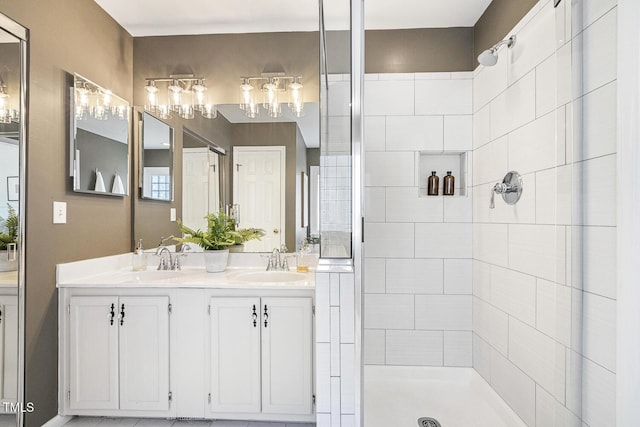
(448, 184)
(433, 182)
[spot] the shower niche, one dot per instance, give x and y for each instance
(441, 162)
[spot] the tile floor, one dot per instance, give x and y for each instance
(154, 422)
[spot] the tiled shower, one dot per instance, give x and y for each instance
(524, 294)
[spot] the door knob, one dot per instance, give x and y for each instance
(276, 231)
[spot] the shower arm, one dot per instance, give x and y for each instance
(509, 42)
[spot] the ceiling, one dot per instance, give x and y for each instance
(166, 17)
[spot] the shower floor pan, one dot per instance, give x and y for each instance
(456, 397)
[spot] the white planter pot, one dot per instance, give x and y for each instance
(216, 261)
(9, 259)
(236, 248)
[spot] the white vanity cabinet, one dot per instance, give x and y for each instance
(118, 353)
(260, 356)
(184, 344)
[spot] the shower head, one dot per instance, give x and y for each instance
(489, 57)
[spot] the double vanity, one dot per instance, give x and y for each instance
(188, 344)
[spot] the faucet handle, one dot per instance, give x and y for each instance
(285, 264)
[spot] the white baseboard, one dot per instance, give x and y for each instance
(57, 421)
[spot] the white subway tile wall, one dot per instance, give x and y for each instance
(544, 309)
(418, 248)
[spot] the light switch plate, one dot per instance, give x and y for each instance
(172, 214)
(59, 212)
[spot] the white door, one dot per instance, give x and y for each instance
(259, 190)
(286, 355)
(235, 355)
(144, 353)
(93, 353)
(195, 187)
(9, 328)
(214, 182)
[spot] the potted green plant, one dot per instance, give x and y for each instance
(220, 235)
(244, 235)
(9, 241)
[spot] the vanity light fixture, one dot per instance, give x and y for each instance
(96, 102)
(185, 95)
(7, 114)
(273, 89)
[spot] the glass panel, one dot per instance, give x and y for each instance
(335, 136)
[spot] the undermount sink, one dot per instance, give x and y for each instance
(271, 276)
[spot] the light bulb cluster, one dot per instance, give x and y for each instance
(185, 96)
(7, 114)
(270, 92)
(93, 101)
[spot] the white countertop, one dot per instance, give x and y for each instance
(8, 279)
(116, 272)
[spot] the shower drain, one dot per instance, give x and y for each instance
(428, 422)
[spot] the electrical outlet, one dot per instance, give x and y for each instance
(172, 214)
(59, 212)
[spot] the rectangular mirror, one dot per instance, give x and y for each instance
(99, 140)
(156, 159)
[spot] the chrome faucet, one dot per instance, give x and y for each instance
(166, 260)
(278, 260)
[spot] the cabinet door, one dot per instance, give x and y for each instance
(235, 355)
(93, 353)
(286, 355)
(144, 353)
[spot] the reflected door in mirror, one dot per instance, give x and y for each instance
(259, 190)
(200, 186)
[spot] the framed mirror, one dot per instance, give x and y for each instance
(99, 152)
(13, 71)
(156, 159)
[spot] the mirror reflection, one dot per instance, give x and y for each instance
(202, 179)
(10, 217)
(156, 154)
(100, 140)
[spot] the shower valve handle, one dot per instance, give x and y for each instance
(510, 188)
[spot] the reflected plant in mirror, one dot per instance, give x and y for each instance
(99, 140)
(156, 159)
(8, 241)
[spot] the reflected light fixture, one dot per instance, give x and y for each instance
(96, 102)
(186, 94)
(7, 114)
(274, 89)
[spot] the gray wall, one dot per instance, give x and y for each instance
(224, 58)
(405, 51)
(85, 40)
